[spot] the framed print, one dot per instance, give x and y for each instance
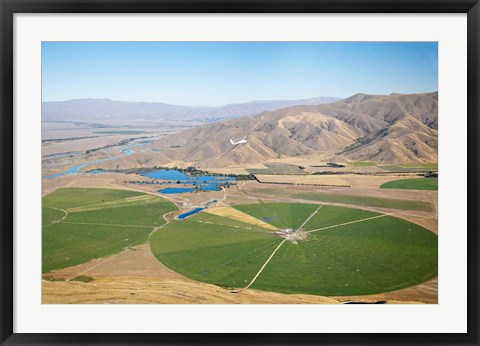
(243, 172)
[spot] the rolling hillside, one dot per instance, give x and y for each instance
(385, 128)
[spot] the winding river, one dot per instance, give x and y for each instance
(77, 169)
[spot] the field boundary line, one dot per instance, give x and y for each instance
(264, 265)
(95, 266)
(350, 222)
(106, 224)
(57, 221)
(105, 261)
(118, 203)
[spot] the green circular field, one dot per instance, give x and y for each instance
(330, 250)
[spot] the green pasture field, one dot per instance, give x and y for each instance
(374, 256)
(409, 168)
(329, 215)
(51, 215)
(99, 222)
(78, 197)
(413, 184)
(225, 256)
(378, 202)
(362, 163)
(347, 252)
(433, 165)
(281, 215)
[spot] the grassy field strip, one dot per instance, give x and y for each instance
(247, 229)
(106, 224)
(350, 222)
(265, 264)
(139, 198)
(111, 204)
(313, 214)
(63, 218)
(219, 224)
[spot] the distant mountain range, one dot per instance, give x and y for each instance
(104, 110)
(386, 128)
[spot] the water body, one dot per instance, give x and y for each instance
(77, 169)
(201, 182)
(172, 190)
(190, 213)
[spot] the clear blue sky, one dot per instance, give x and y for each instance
(217, 73)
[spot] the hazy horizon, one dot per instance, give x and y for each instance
(225, 104)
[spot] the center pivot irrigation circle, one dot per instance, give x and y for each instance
(299, 248)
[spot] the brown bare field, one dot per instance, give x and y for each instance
(235, 214)
(424, 293)
(148, 290)
(136, 261)
(113, 181)
(341, 180)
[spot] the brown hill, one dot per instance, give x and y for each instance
(386, 128)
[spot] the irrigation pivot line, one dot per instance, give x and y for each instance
(350, 222)
(264, 265)
(316, 211)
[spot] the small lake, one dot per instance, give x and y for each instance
(200, 182)
(190, 213)
(172, 190)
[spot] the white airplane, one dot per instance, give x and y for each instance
(244, 139)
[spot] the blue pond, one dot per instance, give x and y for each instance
(170, 190)
(202, 182)
(190, 213)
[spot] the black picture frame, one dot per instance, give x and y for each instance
(10, 7)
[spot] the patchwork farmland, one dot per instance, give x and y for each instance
(83, 224)
(314, 248)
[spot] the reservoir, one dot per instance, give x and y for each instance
(190, 213)
(199, 182)
(171, 190)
